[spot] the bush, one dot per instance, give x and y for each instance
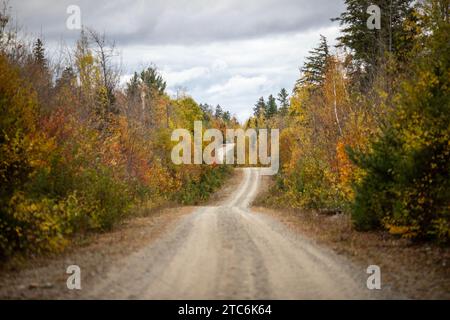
(194, 191)
(310, 185)
(32, 225)
(108, 198)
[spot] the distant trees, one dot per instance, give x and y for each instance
(145, 92)
(39, 53)
(217, 117)
(267, 113)
(153, 80)
(283, 99)
(259, 108)
(218, 113)
(271, 107)
(226, 116)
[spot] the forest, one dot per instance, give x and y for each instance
(365, 132)
(80, 152)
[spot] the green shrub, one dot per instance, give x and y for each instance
(108, 198)
(195, 191)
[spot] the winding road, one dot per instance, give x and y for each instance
(230, 252)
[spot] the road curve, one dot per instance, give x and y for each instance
(229, 252)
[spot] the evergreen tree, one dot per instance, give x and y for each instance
(39, 53)
(226, 117)
(68, 78)
(206, 108)
(369, 46)
(132, 89)
(271, 108)
(260, 108)
(314, 68)
(153, 80)
(218, 112)
(283, 99)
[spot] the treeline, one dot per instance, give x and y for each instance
(265, 111)
(368, 126)
(78, 152)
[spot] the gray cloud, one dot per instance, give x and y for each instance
(227, 52)
(179, 21)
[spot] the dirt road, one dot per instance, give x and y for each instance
(229, 252)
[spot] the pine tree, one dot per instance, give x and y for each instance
(153, 80)
(133, 85)
(283, 99)
(226, 117)
(39, 53)
(260, 108)
(369, 46)
(68, 78)
(314, 68)
(206, 108)
(271, 108)
(218, 112)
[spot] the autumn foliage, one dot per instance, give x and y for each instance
(79, 152)
(367, 131)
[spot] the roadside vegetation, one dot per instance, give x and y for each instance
(366, 130)
(79, 152)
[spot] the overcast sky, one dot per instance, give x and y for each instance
(227, 52)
